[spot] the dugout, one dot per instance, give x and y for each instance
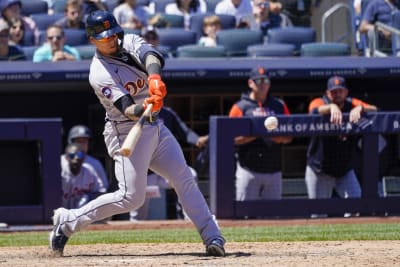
(197, 90)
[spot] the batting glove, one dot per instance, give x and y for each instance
(156, 86)
(157, 102)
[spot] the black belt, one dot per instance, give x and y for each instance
(151, 118)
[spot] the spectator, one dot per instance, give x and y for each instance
(330, 159)
(258, 168)
(237, 8)
(263, 18)
(299, 11)
(130, 15)
(80, 183)
(151, 36)
(211, 25)
(186, 8)
(72, 16)
(378, 10)
(17, 32)
(184, 135)
(55, 48)
(81, 135)
(8, 52)
(11, 10)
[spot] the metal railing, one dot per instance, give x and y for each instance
(329, 13)
(374, 39)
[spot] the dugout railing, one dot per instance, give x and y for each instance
(222, 166)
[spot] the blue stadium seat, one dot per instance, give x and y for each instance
(200, 51)
(292, 35)
(271, 50)
(211, 4)
(86, 51)
(29, 38)
(164, 50)
(196, 22)
(325, 49)
(111, 4)
(28, 51)
(174, 21)
(159, 5)
(29, 7)
(174, 37)
(44, 20)
(396, 38)
(236, 41)
(59, 6)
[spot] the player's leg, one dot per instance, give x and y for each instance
(131, 175)
(318, 185)
(348, 186)
(247, 184)
(272, 185)
(169, 162)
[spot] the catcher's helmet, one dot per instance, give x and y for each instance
(78, 131)
(101, 24)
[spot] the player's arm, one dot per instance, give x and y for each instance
(358, 108)
(236, 112)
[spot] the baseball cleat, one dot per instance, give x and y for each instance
(216, 248)
(57, 238)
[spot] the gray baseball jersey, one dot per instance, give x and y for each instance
(157, 149)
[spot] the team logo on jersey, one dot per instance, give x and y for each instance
(133, 87)
(106, 92)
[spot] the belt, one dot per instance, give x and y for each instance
(150, 119)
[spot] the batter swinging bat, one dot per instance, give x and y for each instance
(133, 136)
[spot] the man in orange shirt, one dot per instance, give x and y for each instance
(330, 158)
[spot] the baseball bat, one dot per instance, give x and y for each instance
(133, 136)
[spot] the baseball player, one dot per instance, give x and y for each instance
(125, 75)
(330, 158)
(81, 134)
(258, 168)
(80, 182)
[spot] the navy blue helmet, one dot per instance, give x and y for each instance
(102, 24)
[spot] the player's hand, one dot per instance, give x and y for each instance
(336, 114)
(156, 86)
(157, 102)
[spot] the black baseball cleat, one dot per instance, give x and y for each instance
(57, 239)
(216, 248)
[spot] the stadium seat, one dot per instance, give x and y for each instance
(325, 49)
(173, 21)
(28, 51)
(86, 51)
(271, 50)
(159, 5)
(164, 50)
(44, 20)
(174, 37)
(396, 38)
(29, 7)
(211, 4)
(236, 41)
(59, 6)
(292, 35)
(200, 51)
(111, 4)
(196, 23)
(29, 38)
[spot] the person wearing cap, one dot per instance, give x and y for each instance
(81, 134)
(8, 52)
(80, 182)
(55, 49)
(258, 159)
(330, 158)
(11, 10)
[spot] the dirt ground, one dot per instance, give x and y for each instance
(327, 253)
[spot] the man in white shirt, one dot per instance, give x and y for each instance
(237, 8)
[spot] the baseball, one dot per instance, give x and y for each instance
(271, 123)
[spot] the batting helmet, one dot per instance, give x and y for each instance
(101, 24)
(79, 131)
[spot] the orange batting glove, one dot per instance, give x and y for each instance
(157, 102)
(156, 86)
